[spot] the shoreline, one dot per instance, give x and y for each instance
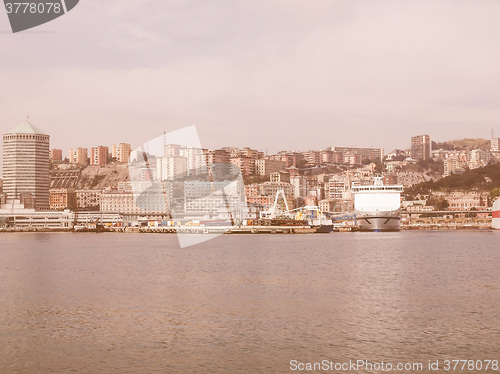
(271, 231)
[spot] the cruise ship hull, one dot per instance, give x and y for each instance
(379, 221)
(377, 206)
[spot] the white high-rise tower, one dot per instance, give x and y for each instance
(26, 164)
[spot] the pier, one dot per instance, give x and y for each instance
(220, 229)
(446, 220)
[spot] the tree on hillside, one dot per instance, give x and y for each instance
(439, 203)
(481, 179)
(494, 193)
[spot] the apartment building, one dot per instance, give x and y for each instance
(78, 156)
(87, 199)
(55, 155)
(121, 152)
(99, 155)
(268, 166)
(62, 198)
(363, 152)
(421, 147)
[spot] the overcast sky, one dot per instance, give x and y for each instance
(268, 74)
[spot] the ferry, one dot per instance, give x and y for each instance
(495, 215)
(377, 207)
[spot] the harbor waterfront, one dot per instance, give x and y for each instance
(116, 222)
(247, 304)
(171, 184)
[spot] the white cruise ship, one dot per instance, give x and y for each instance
(377, 207)
(495, 215)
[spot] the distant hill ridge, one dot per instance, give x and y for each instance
(483, 179)
(463, 144)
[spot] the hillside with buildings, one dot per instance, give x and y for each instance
(96, 177)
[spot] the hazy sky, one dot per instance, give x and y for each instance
(269, 74)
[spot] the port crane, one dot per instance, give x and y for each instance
(280, 209)
(277, 210)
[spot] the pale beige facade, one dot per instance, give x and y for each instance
(121, 152)
(268, 166)
(78, 156)
(88, 198)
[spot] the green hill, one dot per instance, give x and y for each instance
(463, 144)
(483, 179)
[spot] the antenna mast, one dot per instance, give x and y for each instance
(165, 144)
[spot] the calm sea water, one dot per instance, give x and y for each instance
(137, 303)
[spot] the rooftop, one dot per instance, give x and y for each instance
(26, 128)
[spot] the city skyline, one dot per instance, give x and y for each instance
(115, 146)
(258, 73)
(405, 145)
(106, 152)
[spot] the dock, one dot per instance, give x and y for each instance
(221, 229)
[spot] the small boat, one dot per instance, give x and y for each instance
(90, 227)
(324, 229)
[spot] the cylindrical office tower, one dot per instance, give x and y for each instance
(26, 164)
